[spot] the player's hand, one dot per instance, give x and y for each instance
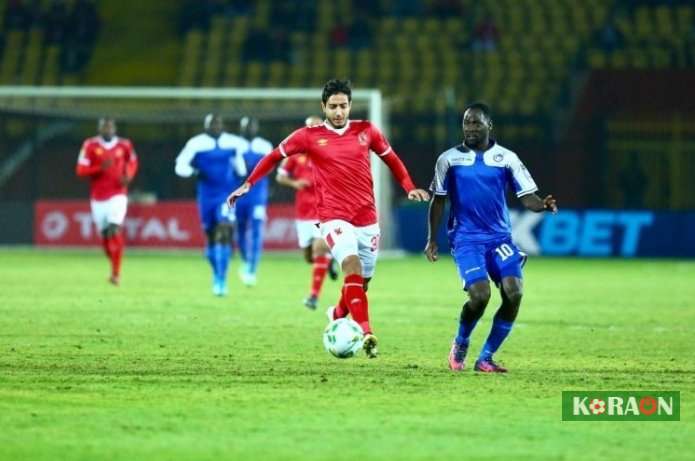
(418, 195)
(106, 163)
(432, 251)
(550, 204)
(300, 184)
(234, 196)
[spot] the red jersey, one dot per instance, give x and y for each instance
(105, 183)
(300, 167)
(342, 171)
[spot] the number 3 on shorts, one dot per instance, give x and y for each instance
(375, 242)
(504, 251)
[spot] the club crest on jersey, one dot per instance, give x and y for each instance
(322, 142)
(301, 159)
(119, 152)
(99, 151)
(363, 138)
(498, 157)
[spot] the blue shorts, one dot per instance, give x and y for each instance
(497, 258)
(214, 212)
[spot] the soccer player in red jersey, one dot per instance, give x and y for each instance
(339, 150)
(297, 172)
(110, 163)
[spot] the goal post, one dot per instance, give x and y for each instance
(168, 106)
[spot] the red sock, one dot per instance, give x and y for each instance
(107, 248)
(318, 274)
(341, 310)
(115, 245)
(356, 301)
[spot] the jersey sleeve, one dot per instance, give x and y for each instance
(184, 160)
(86, 165)
(294, 144)
(378, 143)
(439, 185)
(131, 166)
(519, 177)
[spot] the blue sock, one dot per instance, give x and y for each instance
(222, 252)
(498, 333)
(210, 255)
(465, 329)
(256, 245)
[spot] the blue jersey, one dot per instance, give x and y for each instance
(258, 194)
(218, 162)
(476, 183)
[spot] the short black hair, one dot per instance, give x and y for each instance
(482, 107)
(335, 86)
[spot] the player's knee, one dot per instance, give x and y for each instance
(352, 265)
(479, 295)
(309, 255)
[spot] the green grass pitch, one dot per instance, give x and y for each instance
(159, 369)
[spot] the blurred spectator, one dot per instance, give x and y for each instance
(367, 8)
(360, 34)
(196, 14)
(339, 35)
(485, 35)
(237, 8)
(446, 8)
(55, 22)
(83, 27)
(610, 38)
(16, 15)
(406, 8)
(257, 46)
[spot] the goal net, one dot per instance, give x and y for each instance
(41, 129)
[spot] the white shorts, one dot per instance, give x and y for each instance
(344, 240)
(307, 230)
(109, 211)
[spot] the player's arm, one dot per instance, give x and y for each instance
(526, 188)
(284, 177)
(238, 162)
(385, 152)
(534, 203)
(292, 145)
(184, 160)
(434, 219)
(439, 188)
(86, 164)
(131, 167)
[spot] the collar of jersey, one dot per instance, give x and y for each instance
(339, 131)
(109, 144)
(463, 148)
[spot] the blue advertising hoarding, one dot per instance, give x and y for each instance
(592, 233)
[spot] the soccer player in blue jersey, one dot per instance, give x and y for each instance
(250, 209)
(474, 176)
(216, 159)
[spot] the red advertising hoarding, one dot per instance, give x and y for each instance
(170, 224)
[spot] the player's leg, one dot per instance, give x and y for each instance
(368, 247)
(242, 221)
(320, 257)
(115, 209)
(222, 251)
(255, 242)
(505, 261)
(342, 240)
(470, 262)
